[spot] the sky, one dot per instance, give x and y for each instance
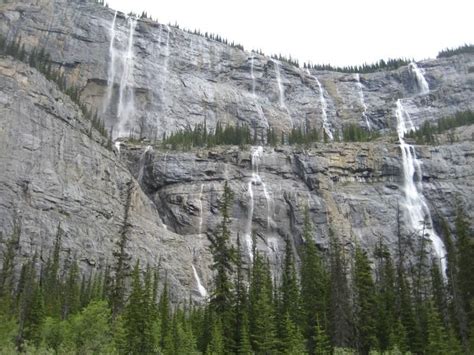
(339, 32)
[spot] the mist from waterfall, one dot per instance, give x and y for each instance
(416, 207)
(121, 66)
(324, 107)
(360, 91)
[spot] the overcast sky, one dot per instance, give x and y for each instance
(340, 32)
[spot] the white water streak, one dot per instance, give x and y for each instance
(126, 104)
(142, 163)
(281, 90)
(201, 212)
(111, 71)
(202, 290)
(360, 91)
(324, 107)
(255, 180)
(420, 78)
(415, 204)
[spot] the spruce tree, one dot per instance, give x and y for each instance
(365, 302)
(314, 285)
(137, 322)
(223, 255)
(261, 316)
(340, 312)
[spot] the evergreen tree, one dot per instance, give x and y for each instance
(223, 256)
(289, 290)
(137, 322)
(241, 338)
(323, 345)
(216, 345)
(339, 308)
(365, 302)
(261, 316)
(314, 285)
(386, 313)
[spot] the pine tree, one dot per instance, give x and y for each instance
(314, 285)
(137, 322)
(365, 302)
(321, 340)
(385, 297)
(223, 259)
(51, 278)
(465, 257)
(261, 316)
(241, 338)
(165, 315)
(436, 340)
(216, 345)
(8, 261)
(289, 290)
(340, 312)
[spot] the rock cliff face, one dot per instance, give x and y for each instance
(162, 78)
(151, 79)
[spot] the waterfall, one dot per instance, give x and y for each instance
(259, 109)
(126, 105)
(252, 75)
(324, 107)
(167, 49)
(420, 78)
(360, 91)
(281, 90)
(202, 290)
(111, 71)
(256, 179)
(142, 162)
(200, 209)
(418, 212)
(117, 147)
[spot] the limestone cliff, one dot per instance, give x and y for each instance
(151, 79)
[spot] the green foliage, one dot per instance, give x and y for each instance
(354, 133)
(300, 135)
(200, 136)
(465, 49)
(390, 64)
(41, 61)
(365, 302)
(318, 308)
(426, 134)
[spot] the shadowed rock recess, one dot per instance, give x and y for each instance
(147, 79)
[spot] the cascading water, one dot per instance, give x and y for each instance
(252, 75)
(111, 71)
(142, 162)
(117, 147)
(126, 105)
(202, 290)
(201, 212)
(257, 154)
(420, 78)
(324, 107)
(281, 90)
(417, 210)
(259, 109)
(360, 91)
